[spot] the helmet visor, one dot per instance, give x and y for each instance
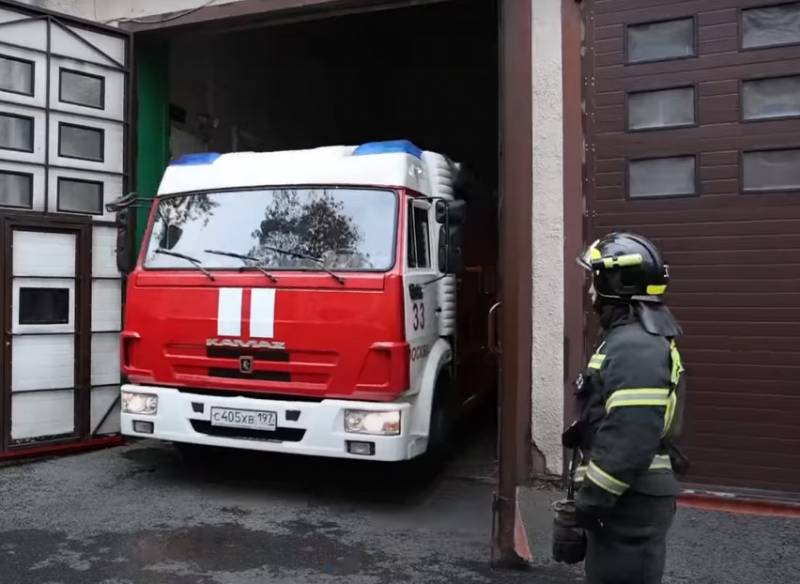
(590, 254)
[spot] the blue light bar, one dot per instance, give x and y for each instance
(195, 159)
(388, 147)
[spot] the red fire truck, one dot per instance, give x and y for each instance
(319, 302)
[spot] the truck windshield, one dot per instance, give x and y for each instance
(342, 229)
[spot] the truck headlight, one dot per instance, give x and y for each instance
(139, 403)
(370, 422)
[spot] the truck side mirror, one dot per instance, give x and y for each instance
(451, 249)
(451, 212)
(125, 256)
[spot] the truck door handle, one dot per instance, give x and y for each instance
(492, 341)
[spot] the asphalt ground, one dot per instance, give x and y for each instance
(139, 514)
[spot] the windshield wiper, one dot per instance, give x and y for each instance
(197, 263)
(304, 256)
(243, 257)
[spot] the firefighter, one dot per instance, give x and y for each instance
(630, 400)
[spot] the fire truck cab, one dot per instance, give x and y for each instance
(314, 302)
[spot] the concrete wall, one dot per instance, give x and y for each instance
(548, 238)
(112, 11)
(548, 216)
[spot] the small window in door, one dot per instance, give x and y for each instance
(80, 196)
(43, 305)
(16, 132)
(419, 253)
(81, 89)
(80, 142)
(659, 41)
(16, 75)
(16, 189)
(771, 26)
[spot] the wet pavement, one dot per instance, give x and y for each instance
(138, 514)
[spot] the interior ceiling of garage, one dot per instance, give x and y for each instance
(426, 73)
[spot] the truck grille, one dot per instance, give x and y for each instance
(284, 376)
(279, 435)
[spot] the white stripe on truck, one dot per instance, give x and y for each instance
(229, 312)
(262, 313)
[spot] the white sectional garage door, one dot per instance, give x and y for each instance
(63, 136)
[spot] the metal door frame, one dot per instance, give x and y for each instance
(82, 228)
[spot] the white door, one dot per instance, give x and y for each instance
(41, 336)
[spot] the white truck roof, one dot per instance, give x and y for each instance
(396, 163)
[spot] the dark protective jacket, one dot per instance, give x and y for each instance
(627, 400)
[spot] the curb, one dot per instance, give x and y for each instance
(738, 504)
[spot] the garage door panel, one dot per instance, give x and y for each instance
(719, 396)
(734, 233)
(757, 427)
(612, 75)
(739, 343)
(763, 476)
(736, 258)
(746, 414)
(42, 414)
(628, 213)
(759, 272)
(759, 445)
(41, 362)
(759, 486)
(725, 454)
(735, 242)
(789, 374)
(763, 300)
(744, 329)
(612, 142)
(621, 11)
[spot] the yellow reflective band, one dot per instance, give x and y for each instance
(605, 481)
(661, 462)
(624, 261)
(594, 253)
(596, 362)
(669, 415)
(656, 290)
(646, 396)
(677, 364)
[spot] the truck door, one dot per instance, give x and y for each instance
(420, 290)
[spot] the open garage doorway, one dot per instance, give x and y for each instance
(428, 74)
(453, 76)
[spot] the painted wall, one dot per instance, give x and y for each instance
(548, 238)
(548, 216)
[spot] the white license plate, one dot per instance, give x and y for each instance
(252, 419)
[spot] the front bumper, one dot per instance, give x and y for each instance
(310, 428)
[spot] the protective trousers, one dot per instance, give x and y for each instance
(630, 545)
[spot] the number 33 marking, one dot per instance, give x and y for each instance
(418, 310)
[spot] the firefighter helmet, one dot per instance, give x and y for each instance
(624, 266)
